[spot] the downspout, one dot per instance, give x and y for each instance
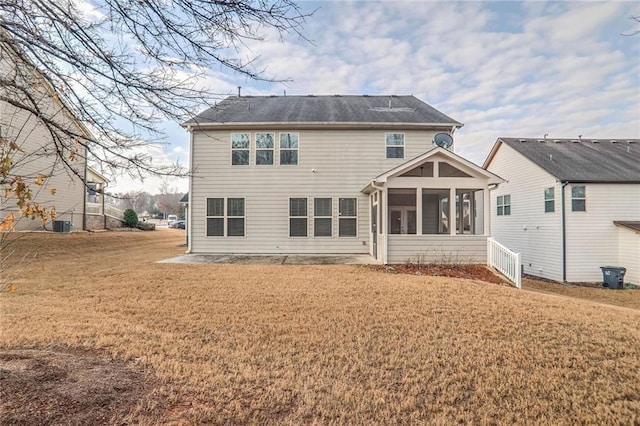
(564, 235)
(84, 197)
(189, 214)
(104, 212)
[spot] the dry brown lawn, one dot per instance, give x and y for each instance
(254, 344)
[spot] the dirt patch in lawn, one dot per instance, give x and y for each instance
(65, 386)
(470, 272)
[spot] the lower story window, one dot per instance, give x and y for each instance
(322, 217)
(347, 221)
(297, 217)
(225, 217)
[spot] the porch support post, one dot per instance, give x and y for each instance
(452, 211)
(384, 208)
(419, 210)
(486, 205)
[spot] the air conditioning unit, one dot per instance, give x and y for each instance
(61, 226)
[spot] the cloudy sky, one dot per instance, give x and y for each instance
(501, 68)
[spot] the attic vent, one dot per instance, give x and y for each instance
(541, 140)
(595, 141)
(523, 140)
(574, 140)
(366, 96)
(556, 141)
(311, 96)
(613, 141)
(338, 96)
(631, 141)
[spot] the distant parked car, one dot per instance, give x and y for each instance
(171, 220)
(180, 224)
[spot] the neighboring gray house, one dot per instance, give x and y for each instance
(334, 174)
(569, 206)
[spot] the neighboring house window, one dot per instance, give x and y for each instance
(549, 200)
(347, 221)
(578, 198)
(297, 217)
(234, 218)
(264, 149)
(288, 148)
(322, 217)
(240, 144)
(395, 145)
(504, 205)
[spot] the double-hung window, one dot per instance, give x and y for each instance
(578, 198)
(347, 221)
(240, 148)
(230, 224)
(297, 217)
(322, 217)
(264, 149)
(288, 148)
(395, 145)
(504, 205)
(549, 200)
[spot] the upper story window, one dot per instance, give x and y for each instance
(504, 205)
(578, 198)
(240, 146)
(395, 145)
(264, 149)
(549, 200)
(288, 148)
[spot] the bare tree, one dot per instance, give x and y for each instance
(122, 67)
(168, 199)
(633, 32)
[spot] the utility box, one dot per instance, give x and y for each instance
(61, 226)
(613, 276)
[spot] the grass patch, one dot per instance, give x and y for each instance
(324, 344)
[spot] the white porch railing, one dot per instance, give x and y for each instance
(113, 211)
(94, 208)
(505, 261)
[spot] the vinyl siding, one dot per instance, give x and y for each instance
(592, 237)
(331, 163)
(629, 254)
(38, 158)
(536, 235)
(437, 249)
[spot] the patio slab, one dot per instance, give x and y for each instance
(281, 259)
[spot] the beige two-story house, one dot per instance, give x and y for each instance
(334, 175)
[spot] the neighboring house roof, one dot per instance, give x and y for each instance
(185, 198)
(580, 160)
(323, 110)
(632, 225)
(94, 176)
(414, 162)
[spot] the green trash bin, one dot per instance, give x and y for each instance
(613, 276)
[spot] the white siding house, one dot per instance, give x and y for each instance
(333, 174)
(559, 203)
(62, 185)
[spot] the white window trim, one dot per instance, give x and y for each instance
(580, 198)
(289, 217)
(404, 145)
(239, 149)
(288, 149)
(255, 159)
(553, 199)
(503, 205)
(323, 217)
(348, 217)
(225, 216)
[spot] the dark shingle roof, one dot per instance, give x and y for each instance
(322, 110)
(633, 225)
(583, 160)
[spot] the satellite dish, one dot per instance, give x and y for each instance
(443, 140)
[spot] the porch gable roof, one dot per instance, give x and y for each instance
(492, 178)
